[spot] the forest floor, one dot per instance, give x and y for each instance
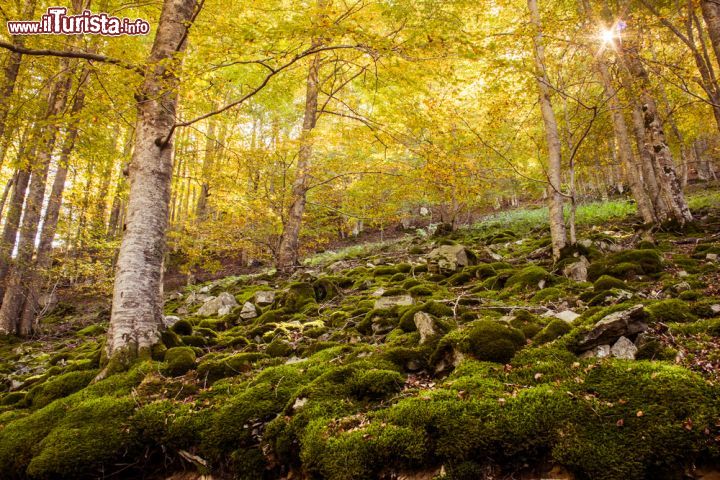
(465, 356)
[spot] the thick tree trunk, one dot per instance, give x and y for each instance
(711, 14)
(555, 196)
(16, 287)
(136, 318)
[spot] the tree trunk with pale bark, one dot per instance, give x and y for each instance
(555, 196)
(136, 318)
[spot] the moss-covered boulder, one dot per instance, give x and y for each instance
(671, 310)
(627, 264)
(179, 360)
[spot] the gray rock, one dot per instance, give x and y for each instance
(224, 310)
(577, 271)
(264, 297)
(567, 316)
(248, 311)
(601, 351)
(619, 324)
(388, 302)
(379, 292)
(170, 320)
(449, 258)
(624, 349)
(205, 289)
(715, 308)
(713, 257)
(214, 304)
(425, 326)
(681, 287)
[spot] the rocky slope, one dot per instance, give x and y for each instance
(463, 356)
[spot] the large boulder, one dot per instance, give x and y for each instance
(450, 258)
(223, 302)
(611, 327)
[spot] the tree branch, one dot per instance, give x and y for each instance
(71, 54)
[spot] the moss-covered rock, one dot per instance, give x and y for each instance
(182, 327)
(179, 360)
(606, 282)
(299, 296)
(59, 387)
(553, 330)
(670, 310)
(531, 277)
(627, 264)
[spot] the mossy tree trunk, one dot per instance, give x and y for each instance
(136, 316)
(711, 15)
(555, 195)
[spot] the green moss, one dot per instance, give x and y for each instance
(195, 340)
(670, 310)
(606, 282)
(703, 308)
(179, 360)
(92, 331)
(548, 295)
(528, 277)
(375, 383)
(398, 277)
(384, 271)
(420, 291)
(627, 264)
(12, 398)
(326, 289)
(88, 439)
(279, 348)
(213, 369)
(485, 340)
(182, 327)
(170, 339)
(59, 387)
(555, 329)
(299, 296)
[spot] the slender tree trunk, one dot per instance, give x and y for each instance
(290, 240)
(16, 288)
(634, 172)
(43, 257)
(10, 74)
(6, 192)
(555, 196)
(654, 143)
(136, 318)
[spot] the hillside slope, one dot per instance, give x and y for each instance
(462, 357)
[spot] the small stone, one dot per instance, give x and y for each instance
(224, 310)
(681, 287)
(577, 271)
(205, 289)
(424, 211)
(388, 302)
(601, 351)
(682, 274)
(248, 311)
(379, 292)
(624, 349)
(713, 257)
(425, 326)
(264, 297)
(449, 258)
(567, 316)
(715, 308)
(170, 320)
(299, 403)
